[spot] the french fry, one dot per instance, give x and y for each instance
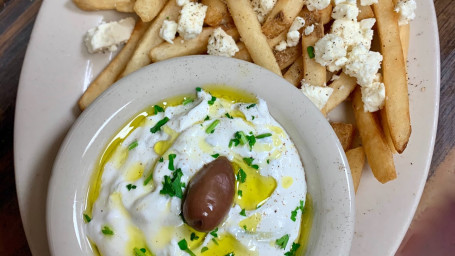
(125, 5)
(365, 12)
(286, 57)
(378, 153)
(276, 40)
(182, 47)
(356, 160)
(151, 38)
(217, 12)
(342, 88)
(404, 38)
(385, 128)
(344, 132)
(313, 72)
(295, 72)
(394, 72)
(95, 5)
(109, 75)
(148, 9)
(250, 30)
(325, 14)
(243, 53)
(281, 17)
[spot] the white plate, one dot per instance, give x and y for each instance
(57, 70)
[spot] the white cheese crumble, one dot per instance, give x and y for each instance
(406, 9)
(221, 44)
(262, 8)
(345, 10)
(191, 20)
(309, 29)
(317, 4)
(168, 30)
(353, 32)
(281, 46)
(293, 34)
(363, 65)
(368, 2)
(317, 94)
(182, 2)
(330, 51)
(373, 95)
(108, 36)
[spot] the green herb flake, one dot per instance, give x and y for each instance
(211, 101)
(301, 207)
(252, 117)
(158, 109)
(158, 125)
(215, 155)
(161, 159)
(251, 141)
(230, 254)
(187, 101)
(234, 142)
(241, 176)
(107, 231)
(250, 106)
(198, 89)
(183, 245)
(171, 162)
(242, 212)
(133, 145)
(241, 137)
(282, 242)
(268, 161)
(310, 50)
(240, 193)
(293, 250)
(244, 227)
(87, 218)
(204, 249)
(194, 236)
(173, 186)
(213, 232)
(264, 135)
(130, 186)
(248, 160)
(139, 252)
(143, 250)
(207, 118)
(228, 116)
(211, 127)
(214, 240)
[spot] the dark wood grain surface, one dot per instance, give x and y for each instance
(16, 23)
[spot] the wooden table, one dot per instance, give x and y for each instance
(16, 23)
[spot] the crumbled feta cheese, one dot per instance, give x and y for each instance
(281, 46)
(108, 36)
(406, 9)
(317, 94)
(298, 23)
(353, 33)
(317, 4)
(168, 30)
(346, 10)
(191, 20)
(221, 44)
(373, 95)
(330, 51)
(309, 30)
(262, 8)
(368, 2)
(293, 34)
(363, 65)
(334, 77)
(337, 2)
(182, 2)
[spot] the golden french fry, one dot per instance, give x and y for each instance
(148, 9)
(182, 47)
(365, 12)
(217, 12)
(243, 53)
(342, 88)
(151, 38)
(281, 17)
(250, 30)
(394, 72)
(125, 5)
(344, 132)
(378, 153)
(356, 160)
(313, 72)
(276, 40)
(404, 38)
(94, 5)
(325, 14)
(385, 128)
(286, 57)
(295, 72)
(109, 75)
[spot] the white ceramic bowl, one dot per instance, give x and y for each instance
(327, 172)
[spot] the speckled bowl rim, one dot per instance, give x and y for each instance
(327, 172)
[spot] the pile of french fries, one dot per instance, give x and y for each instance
(382, 133)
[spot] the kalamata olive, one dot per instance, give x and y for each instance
(210, 195)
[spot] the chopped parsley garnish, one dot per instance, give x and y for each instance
(252, 117)
(183, 245)
(242, 212)
(234, 142)
(205, 248)
(244, 227)
(130, 186)
(173, 186)
(294, 212)
(171, 162)
(249, 162)
(215, 155)
(282, 242)
(158, 125)
(228, 116)
(264, 135)
(211, 101)
(214, 240)
(194, 236)
(198, 89)
(207, 118)
(241, 176)
(212, 126)
(133, 145)
(158, 109)
(250, 106)
(161, 159)
(251, 141)
(107, 231)
(230, 254)
(293, 250)
(87, 218)
(187, 101)
(240, 193)
(240, 138)
(213, 232)
(310, 50)
(268, 161)
(139, 252)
